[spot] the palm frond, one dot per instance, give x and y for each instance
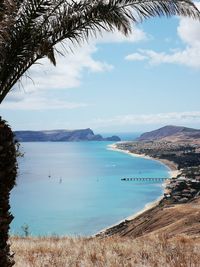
(146, 9)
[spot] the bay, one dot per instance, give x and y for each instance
(76, 188)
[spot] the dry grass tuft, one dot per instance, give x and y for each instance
(109, 252)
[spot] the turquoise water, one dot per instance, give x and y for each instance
(76, 188)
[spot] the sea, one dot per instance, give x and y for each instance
(75, 188)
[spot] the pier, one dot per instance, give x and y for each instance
(145, 179)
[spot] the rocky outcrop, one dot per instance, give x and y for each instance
(61, 136)
(113, 138)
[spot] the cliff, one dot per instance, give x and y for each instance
(61, 136)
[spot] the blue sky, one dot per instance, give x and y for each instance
(116, 84)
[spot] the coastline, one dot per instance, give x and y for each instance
(173, 172)
(147, 207)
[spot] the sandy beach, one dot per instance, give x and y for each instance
(148, 206)
(173, 172)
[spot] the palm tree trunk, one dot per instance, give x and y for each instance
(8, 173)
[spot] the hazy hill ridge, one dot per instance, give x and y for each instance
(170, 133)
(61, 136)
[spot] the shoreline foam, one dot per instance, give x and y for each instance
(173, 172)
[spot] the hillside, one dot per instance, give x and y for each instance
(172, 133)
(171, 220)
(61, 136)
(148, 251)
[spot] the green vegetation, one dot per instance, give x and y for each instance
(25, 230)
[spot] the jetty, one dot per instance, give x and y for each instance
(143, 179)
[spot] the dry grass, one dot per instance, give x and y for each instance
(109, 252)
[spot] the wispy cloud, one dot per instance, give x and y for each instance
(38, 101)
(67, 74)
(137, 56)
(148, 119)
(69, 69)
(137, 35)
(189, 32)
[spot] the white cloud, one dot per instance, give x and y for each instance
(67, 74)
(38, 101)
(189, 32)
(136, 57)
(69, 69)
(41, 103)
(117, 37)
(148, 119)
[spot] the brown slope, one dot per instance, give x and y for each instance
(170, 220)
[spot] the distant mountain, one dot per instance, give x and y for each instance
(171, 133)
(61, 136)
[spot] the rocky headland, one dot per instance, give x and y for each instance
(62, 136)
